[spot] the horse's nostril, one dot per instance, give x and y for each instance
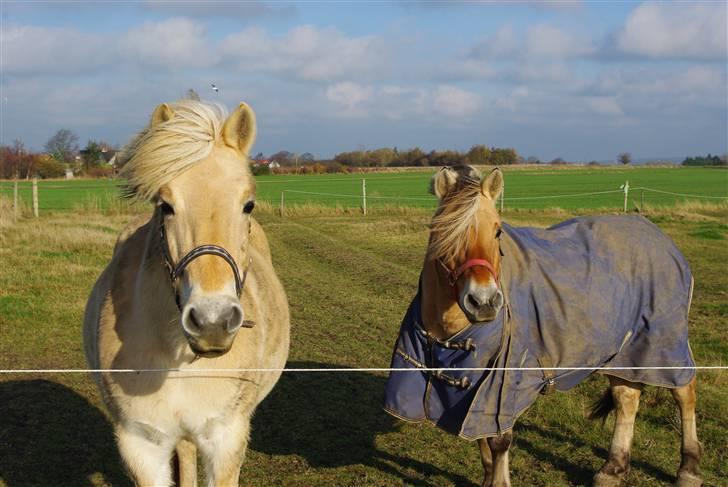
(235, 319)
(473, 301)
(194, 320)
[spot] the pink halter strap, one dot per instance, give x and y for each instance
(455, 275)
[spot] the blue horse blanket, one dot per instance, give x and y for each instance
(594, 292)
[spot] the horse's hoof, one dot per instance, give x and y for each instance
(688, 479)
(603, 480)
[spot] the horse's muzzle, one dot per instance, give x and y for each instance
(211, 323)
(481, 304)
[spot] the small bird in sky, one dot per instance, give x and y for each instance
(214, 88)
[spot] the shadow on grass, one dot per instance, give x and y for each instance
(333, 421)
(577, 474)
(50, 435)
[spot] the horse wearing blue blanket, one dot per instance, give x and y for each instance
(604, 294)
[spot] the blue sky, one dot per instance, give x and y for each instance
(578, 80)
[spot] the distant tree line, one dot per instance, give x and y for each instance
(392, 157)
(709, 160)
(62, 152)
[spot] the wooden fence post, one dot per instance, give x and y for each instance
(16, 209)
(626, 195)
(35, 197)
(642, 201)
(364, 196)
(281, 208)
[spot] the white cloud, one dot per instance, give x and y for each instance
(350, 96)
(396, 102)
(604, 105)
(545, 40)
(503, 43)
(675, 30)
(393, 102)
(306, 52)
(174, 43)
(399, 102)
(220, 8)
(535, 4)
(41, 50)
(541, 41)
(703, 84)
(455, 102)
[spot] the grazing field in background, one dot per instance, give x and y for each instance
(349, 280)
(545, 187)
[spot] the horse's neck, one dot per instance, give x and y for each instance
(441, 314)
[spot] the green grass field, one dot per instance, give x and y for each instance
(525, 188)
(349, 280)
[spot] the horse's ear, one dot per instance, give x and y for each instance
(493, 184)
(239, 129)
(443, 182)
(161, 114)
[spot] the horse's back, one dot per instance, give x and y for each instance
(615, 285)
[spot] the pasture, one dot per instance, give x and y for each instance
(349, 280)
(526, 188)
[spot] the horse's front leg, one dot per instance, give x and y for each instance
(499, 446)
(147, 455)
(186, 464)
(222, 447)
(626, 396)
(486, 457)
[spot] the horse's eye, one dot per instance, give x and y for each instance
(166, 208)
(498, 233)
(248, 208)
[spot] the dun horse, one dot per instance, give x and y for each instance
(190, 288)
(591, 293)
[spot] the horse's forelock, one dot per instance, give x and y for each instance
(456, 218)
(163, 151)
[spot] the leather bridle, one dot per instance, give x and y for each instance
(454, 275)
(175, 271)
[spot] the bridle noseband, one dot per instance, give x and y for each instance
(454, 275)
(208, 249)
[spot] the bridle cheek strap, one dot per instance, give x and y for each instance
(455, 275)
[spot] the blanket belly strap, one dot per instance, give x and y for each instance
(462, 383)
(549, 375)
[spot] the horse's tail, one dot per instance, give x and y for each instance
(601, 408)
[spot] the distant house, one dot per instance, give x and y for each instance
(266, 163)
(108, 156)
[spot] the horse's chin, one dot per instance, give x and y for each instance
(211, 353)
(206, 351)
(482, 318)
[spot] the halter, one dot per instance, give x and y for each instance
(207, 249)
(454, 275)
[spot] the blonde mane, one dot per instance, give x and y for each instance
(163, 151)
(455, 220)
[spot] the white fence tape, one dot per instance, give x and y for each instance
(354, 369)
